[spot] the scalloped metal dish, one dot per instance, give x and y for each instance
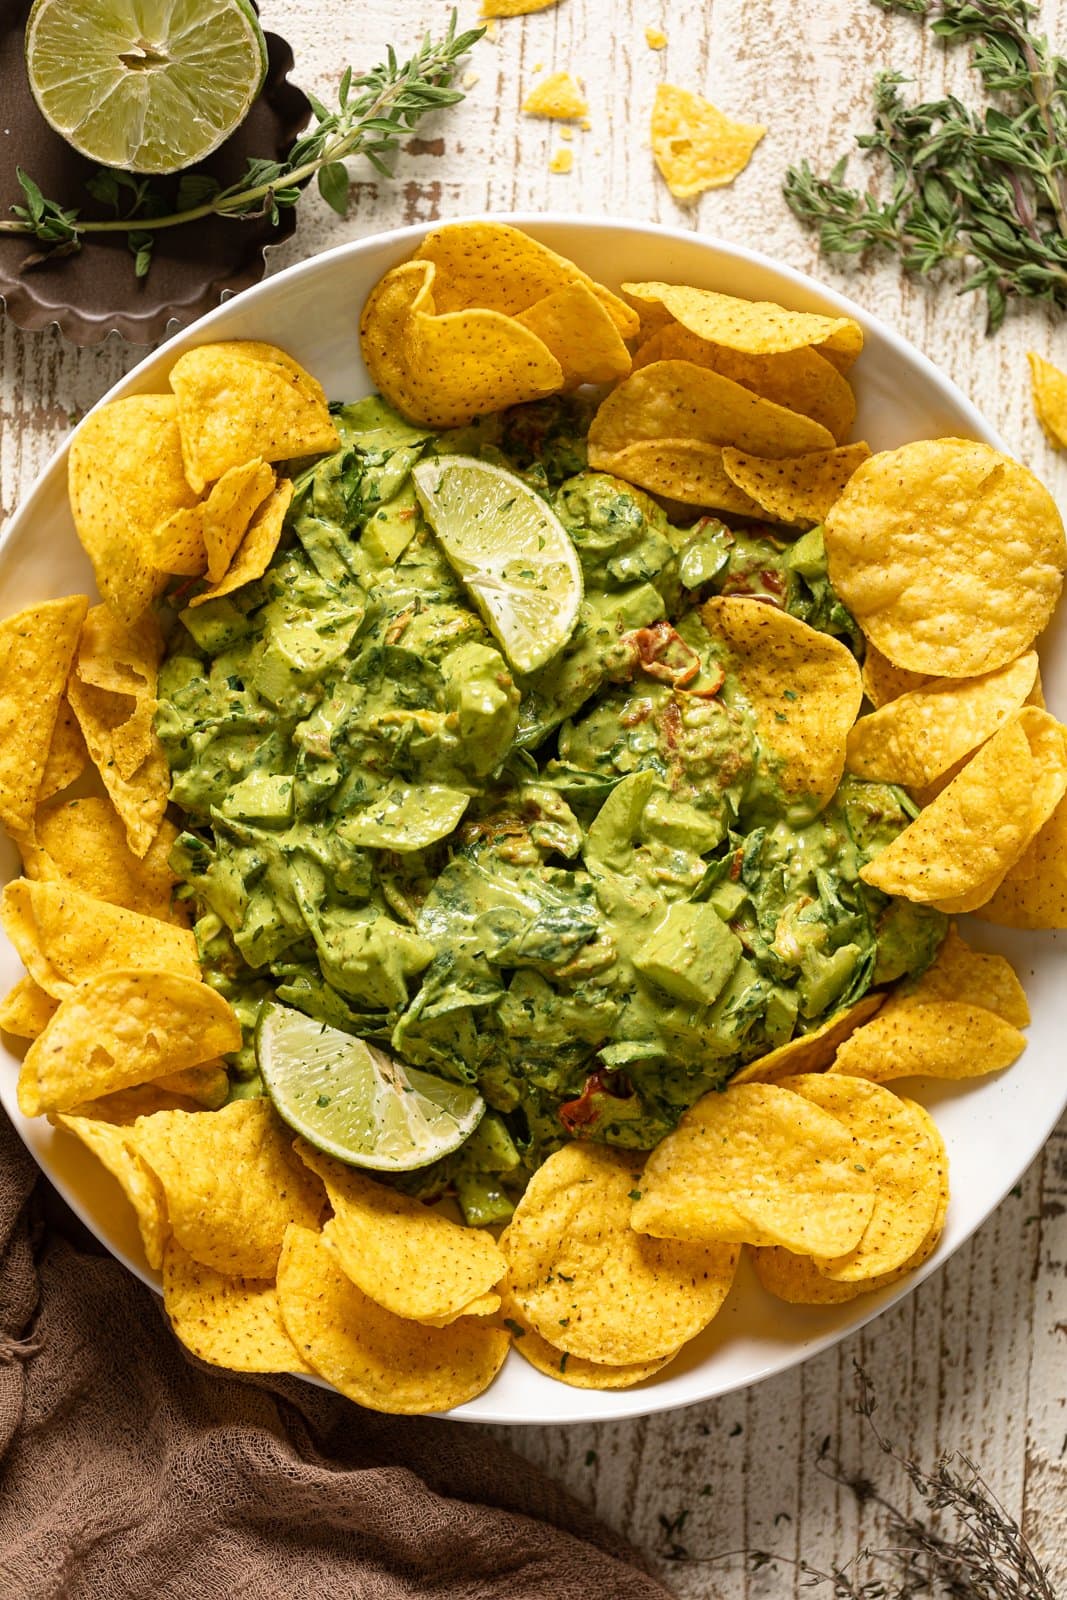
(993, 1127)
(95, 293)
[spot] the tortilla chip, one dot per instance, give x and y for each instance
(939, 1039)
(1049, 390)
(500, 268)
(971, 976)
(26, 1010)
(232, 1182)
(560, 1364)
(695, 145)
(207, 1085)
(82, 843)
(120, 1029)
(407, 1257)
(757, 1164)
(123, 662)
(114, 1147)
(801, 380)
(446, 369)
(677, 400)
(229, 509)
(903, 1154)
(758, 327)
(798, 1280)
(36, 650)
(240, 399)
(1034, 892)
(257, 548)
(558, 96)
(67, 756)
(800, 490)
(64, 936)
(585, 1280)
(925, 731)
(126, 477)
(177, 545)
(679, 469)
(514, 8)
(803, 686)
(577, 330)
(882, 681)
(378, 1360)
(917, 550)
(972, 832)
(229, 1322)
(140, 799)
(810, 1052)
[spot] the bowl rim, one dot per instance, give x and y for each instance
(583, 1406)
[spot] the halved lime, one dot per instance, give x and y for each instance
(511, 550)
(146, 87)
(352, 1101)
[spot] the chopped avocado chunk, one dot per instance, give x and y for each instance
(691, 955)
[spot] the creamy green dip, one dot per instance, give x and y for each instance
(583, 890)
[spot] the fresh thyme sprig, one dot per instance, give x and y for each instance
(964, 1545)
(374, 111)
(982, 191)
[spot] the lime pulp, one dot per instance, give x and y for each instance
(145, 85)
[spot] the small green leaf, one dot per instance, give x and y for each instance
(333, 186)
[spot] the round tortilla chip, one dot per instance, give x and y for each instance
(565, 1368)
(1033, 894)
(882, 681)
(798, 1280)
(115, 1148)
(680, 469)
(799, 490)
(759, 327)
(905, 1157)
(585, 1280)
(409, 1258)
(232, 1182)
(757, 1164)
(500, 268)
(120, 1029)
(378, 1360)
(229, 1322)
(949, 555)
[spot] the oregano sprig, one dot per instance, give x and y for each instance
(981, 191)
(374, 111)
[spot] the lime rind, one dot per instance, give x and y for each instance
(352, 1101)
(511, 551)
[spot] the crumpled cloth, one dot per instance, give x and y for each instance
(131, 1472)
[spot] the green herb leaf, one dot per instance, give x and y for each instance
(333, 186)
(981, 193)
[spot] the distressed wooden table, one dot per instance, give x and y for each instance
(976, 1359)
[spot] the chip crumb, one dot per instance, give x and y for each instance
(562, 161)
(469, 79)
(566, 133)
(695, 145)
(655, 38)
(514, 8)
(559, 97)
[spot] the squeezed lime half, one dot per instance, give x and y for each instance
(514, 555)
(145, 85)
(356, 1103)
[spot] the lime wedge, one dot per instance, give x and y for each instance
(353, 1101)
(511, 550)
(146, 88)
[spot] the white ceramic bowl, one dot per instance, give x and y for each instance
(993, 1127)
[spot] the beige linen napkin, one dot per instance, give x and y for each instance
(129, 1472)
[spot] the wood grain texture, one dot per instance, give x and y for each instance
(976, 1359)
